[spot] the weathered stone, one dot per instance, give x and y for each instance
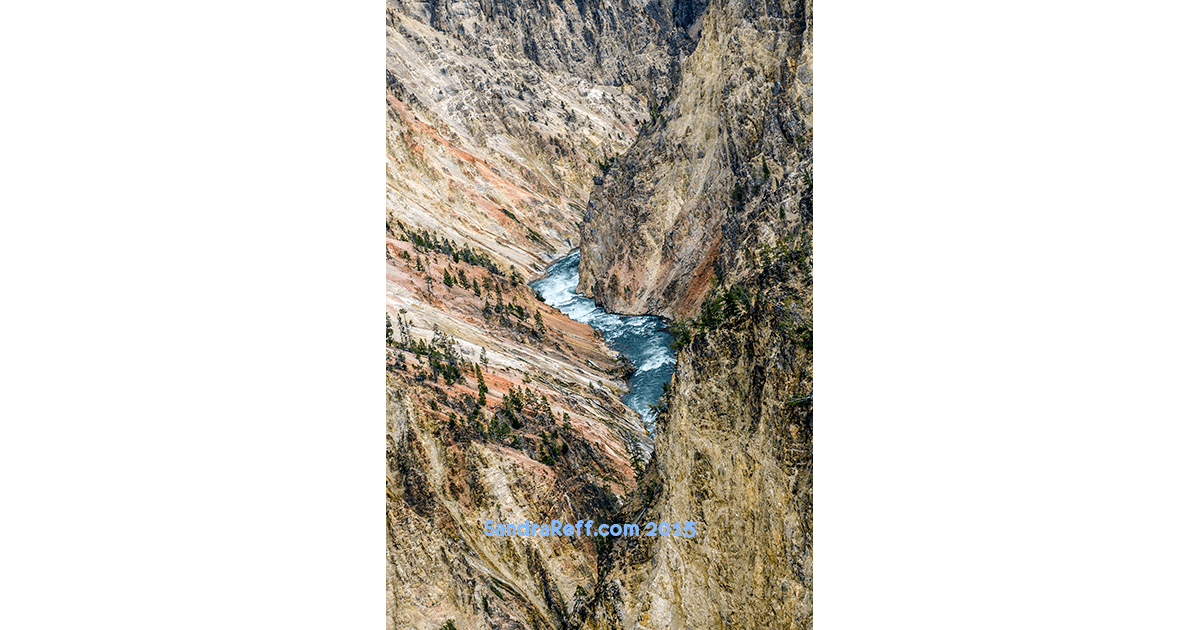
(499, 112)
(696, 216)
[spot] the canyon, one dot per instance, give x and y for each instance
(667, 146)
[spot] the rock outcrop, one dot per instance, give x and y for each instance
(723, 168)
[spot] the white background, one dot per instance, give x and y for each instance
(192, 409)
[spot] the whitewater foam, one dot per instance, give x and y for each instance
(642, 338)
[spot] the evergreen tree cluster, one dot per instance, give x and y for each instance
(425, 241)
(504, 312)
(511, 421)
(397, 338)
(520, 405)
(725, 304)
(401, 335)
(442, 354)
(551, 448)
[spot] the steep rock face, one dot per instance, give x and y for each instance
(721, 171)
(687, 14)
(477, 154)
(733, 452)
(707, 219)
(443, 482)
(601, 41)
(498, 116)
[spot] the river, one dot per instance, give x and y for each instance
(642, 338)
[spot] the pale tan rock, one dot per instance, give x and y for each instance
(498, 115)
(665, 219)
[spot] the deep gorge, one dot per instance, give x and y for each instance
(671, 144)
(644, 339)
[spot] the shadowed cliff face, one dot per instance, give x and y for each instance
(719, 172)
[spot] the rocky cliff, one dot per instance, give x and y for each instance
(500, 114)
(707, 219)
(722, 168)
(498, 117)
(445, 477)
(733, 452)
(671, 141)
(601, 42)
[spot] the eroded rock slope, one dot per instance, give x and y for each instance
(671, 141)
(733, 453)
(498, 117)
(707, 219)
(722, 168)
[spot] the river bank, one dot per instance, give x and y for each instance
(643, 339)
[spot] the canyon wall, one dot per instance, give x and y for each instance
(498, 116)
(722, 169)
(733, 453)
(707, 219)
(672, 142)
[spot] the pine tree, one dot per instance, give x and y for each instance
(447, 279)
(390, 341)
(475, 286)
(537, 317)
